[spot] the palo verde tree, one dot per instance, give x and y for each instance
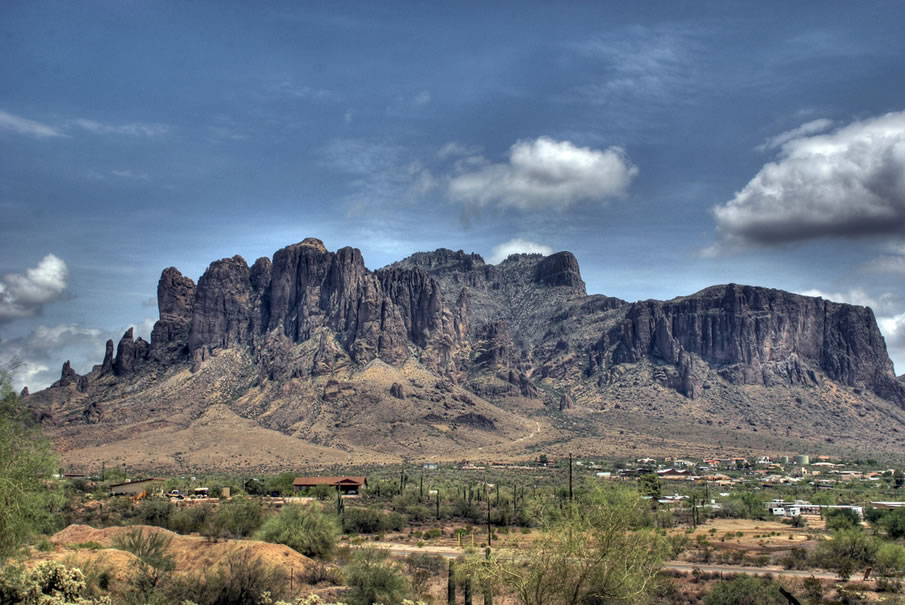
(598, 552)
(27, 505)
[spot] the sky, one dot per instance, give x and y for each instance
(669, 146)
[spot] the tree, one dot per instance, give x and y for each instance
(889, 564)
(374, 578)
(600, 552)
(847, 551)
(842, 518)
(306, 529)
(650, 485)
(894, 523)
(27, 505)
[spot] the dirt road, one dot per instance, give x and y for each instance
(451, 552)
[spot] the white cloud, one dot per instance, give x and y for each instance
(545, 174)
(38, 356)
(142, 328)
(639, 65)
(846, 183)
(20, 125)
(133, 175)
(806, 129)
(886, 264)
(517, 246)
(893, 262)
(884, 304)
(455, 149)
(23, 295)
(135, 129)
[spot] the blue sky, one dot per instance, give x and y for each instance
(670, 146)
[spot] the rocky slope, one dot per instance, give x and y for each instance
(442, 354)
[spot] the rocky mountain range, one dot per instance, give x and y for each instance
(310, 358)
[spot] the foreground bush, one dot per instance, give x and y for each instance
(745, 590)
(27, 505)
(49, 583)
(306, 529)
(240, 580)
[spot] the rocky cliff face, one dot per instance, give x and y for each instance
(272, 305)
(310, 319)
(755, 336)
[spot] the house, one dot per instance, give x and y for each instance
(346, 485)
(134, 488)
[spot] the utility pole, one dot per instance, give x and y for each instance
(570, 478)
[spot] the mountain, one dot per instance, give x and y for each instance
(310, 358)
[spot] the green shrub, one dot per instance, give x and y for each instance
(44, 545)
(374, 578)
(421, 568)
(847, 551)
(306, 529)
(369, 521)
(190, 519)
(745, 590)
(890, 561)
(842, 518)
(49, 583)
(237, 518)
(154, 511)
(149, 546)
(240, 580)
(894, 523)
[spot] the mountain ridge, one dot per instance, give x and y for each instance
(471, 355)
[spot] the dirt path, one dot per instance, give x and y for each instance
(451, 552)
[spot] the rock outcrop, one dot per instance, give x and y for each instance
(311, 322)
(755, 336)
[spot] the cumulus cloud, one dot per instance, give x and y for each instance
(517, 246)
(846, 183)
(24, 126)
(24, 295)
(38, 356)
(544, 174)
(135, 129)
(884, 304)
(806, 129)
(893, 329)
